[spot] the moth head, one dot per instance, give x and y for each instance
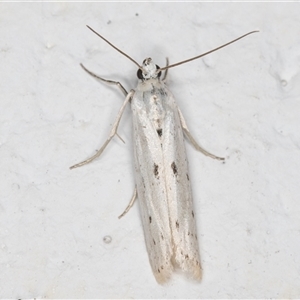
(148, 70)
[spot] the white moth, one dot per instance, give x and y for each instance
(161, 169)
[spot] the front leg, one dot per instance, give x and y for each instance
(111, 135)
(118, 84)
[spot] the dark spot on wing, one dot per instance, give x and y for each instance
(162, 237)
(193, 214)
(162, 92)
(150, 219)
(154, 242)
(158, 270)
(153, 91)
(187, 176)
(159, 132)
(156, 170)
(177, 224)
(186, 256)
(174, 168)
(143, 182)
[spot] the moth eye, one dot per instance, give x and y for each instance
(159, 74)
(140, 74)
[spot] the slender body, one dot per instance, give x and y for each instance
(162, 180)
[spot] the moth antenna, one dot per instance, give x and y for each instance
(109, 43)
(213, 50)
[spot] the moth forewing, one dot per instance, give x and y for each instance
(151, 188)
(181, 211)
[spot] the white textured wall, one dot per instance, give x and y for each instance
(241, 102)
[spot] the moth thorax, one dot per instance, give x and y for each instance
(148, 70)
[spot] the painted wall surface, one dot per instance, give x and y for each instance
(59, 232)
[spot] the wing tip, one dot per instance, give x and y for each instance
(194, 272)
(197, 273)
(163, 277)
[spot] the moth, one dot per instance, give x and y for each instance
(161, 169)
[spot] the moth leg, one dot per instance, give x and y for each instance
(192, 140)
(130, 204)
(113, 132)
(166, 71)
(118, 84)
